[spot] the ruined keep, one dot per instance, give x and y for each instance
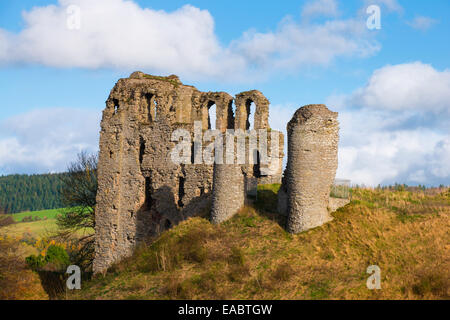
(141, 191)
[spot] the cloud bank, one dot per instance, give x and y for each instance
(47, 140)
(120, 34)
(397, 127)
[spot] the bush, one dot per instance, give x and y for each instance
(35, 262)
(55, 259)
(267, 199)
(6, 221)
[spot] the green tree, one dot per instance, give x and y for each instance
(20, 193)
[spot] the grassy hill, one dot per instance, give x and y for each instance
(38, 223)
(251, 256)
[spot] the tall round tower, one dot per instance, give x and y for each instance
(313, 136)
(228, 191)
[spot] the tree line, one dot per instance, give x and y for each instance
(20, 193)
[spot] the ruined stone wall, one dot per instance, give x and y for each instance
(261, 116)
(142, 192)
(336, 203)
(233, 182)
(313, 135)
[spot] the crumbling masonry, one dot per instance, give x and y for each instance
(143, 192)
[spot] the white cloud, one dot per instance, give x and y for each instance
(375, 148)
(396, 128)
(440, 161)
(410, 86)
(46, 140)
(320, 8)
(293, 45)
(370, 154)
(422, 23)
(120, 34)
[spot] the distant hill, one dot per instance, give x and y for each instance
(19, 193)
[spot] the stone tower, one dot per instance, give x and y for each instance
(313, 136)
(228, 191)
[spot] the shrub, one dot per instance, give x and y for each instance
(267, 199)
(6, 221)
(27, 219)
(55, 259)
(35, 262)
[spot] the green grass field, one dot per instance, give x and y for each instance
(50, 214)
(39, 228)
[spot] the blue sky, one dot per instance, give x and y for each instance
(391, 86)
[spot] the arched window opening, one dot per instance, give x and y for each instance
(167, 224)
(148, 193)
(149, 106)
(231, 113)
(155, 108)
(181, 192)
(141, 149)
(257, 166)
(212, 117)
(251, 110)
(116, 106)
(192, 152)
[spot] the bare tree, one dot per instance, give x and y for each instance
(78, 195)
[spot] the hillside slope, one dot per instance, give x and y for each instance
(252, 257)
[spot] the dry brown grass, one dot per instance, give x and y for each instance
(16, 281)
(251, 256)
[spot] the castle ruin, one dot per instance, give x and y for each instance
(142, 191)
